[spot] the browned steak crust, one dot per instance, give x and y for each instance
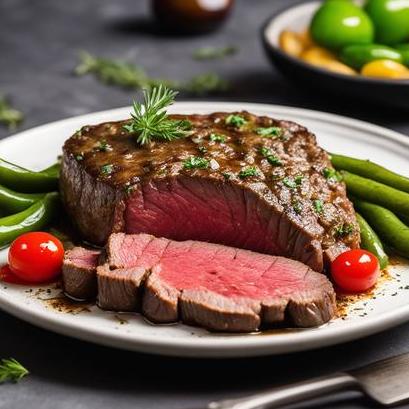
(293, 209)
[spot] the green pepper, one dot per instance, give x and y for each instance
(339, 23)
(36, 217)
(24, 180)
(391, 20)
(389, 227)
(370, 170)
(371, 242)
(404, 50)
(356, 56)
(13, 202)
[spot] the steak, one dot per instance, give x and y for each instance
(210, 285)
(79, 272)
(265, 186)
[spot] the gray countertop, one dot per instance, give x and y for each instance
(39, 44)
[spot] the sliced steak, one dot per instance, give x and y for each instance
(228, 289)
(272, 194)
(79, 272)
(130, 257)
(214, 286)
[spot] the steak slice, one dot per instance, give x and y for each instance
(129, 259)
(79, 272)
(214, 286)
(265, 186)
(228, 289)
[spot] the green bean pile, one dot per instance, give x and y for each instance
(34, 205)
(382, 199)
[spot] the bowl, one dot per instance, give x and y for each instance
(393, 93)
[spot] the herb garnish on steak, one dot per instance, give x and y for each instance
(298, 209)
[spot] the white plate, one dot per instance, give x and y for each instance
(39, 147)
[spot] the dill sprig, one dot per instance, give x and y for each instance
(150, 119)
(213, 53)
(128, 75)
(8, 115)
(11, 370)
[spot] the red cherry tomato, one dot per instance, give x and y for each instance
(355, 270)
(36, 257)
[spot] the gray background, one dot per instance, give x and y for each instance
(39, 43)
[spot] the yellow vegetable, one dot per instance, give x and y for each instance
(323, 58)
(306, 38)
(292, 43)
(317, 53)
(385, 69)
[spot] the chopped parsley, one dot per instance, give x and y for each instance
(271, 158)
(297, 206)
(235, 120)
(248, 172)
(216, 137)
(343, 230)
(129, 189)
(318, 206)
(104, 146)
(226, 175)
(293, 183)
(107, 169)
(79, 157)
(270, 132)
(195, 162)
(202, 149)
(331, 174)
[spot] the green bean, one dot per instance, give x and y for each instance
(404, 218)
(36, 217)
(371, 242)
(370, 170)
(375, 192)
(386, 224)
(24, 180)
(13, 202)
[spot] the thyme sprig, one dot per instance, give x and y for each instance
(150, 119)
(213, 53)
(8, 115)
(128, 75)
(11, 370)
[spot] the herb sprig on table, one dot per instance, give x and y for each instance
(11, 370)
(150, 119)
(128, 75)
(213, 53)
(8, 115)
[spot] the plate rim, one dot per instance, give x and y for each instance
(234, 345)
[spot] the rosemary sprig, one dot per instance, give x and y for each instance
(8, 115)
(11, 370)
(213, 53)
(127, 75)
(150, 119)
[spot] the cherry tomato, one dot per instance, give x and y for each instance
(355, 270)
(36, 257)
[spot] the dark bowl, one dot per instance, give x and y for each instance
(373, 90)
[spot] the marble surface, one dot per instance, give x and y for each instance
(39, 44)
